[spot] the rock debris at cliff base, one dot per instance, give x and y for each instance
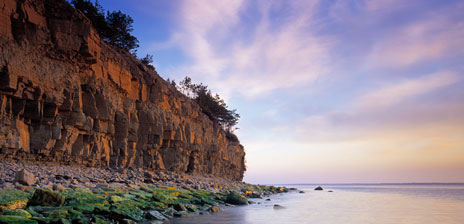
(55, 177)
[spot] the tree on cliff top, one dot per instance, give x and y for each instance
(120, 28)
(148, 61)
(115, 28)
(212, 105)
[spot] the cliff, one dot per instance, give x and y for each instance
(68, 97)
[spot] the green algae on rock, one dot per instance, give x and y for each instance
(13, 199)
(124, 204)
(235, 198)
(10, 219)
(18, 212)
(47, 198)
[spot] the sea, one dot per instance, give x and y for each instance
(349, 204)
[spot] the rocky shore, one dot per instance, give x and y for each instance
(32, 193)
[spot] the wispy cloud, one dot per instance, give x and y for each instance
(419, 42)
(392, 95)
(396, 108)
(265, 59)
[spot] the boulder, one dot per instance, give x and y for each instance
(25, 177)
(319, 188)
(179, 207)
(301, 192)
(181, 214)
(235, 198)
(13, 199)
(156, 215)
(214, 209)
(47, 198)
(277, 206)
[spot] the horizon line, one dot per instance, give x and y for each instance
(369, 183)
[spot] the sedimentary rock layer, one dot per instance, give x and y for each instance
(68, 97)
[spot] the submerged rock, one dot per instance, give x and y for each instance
(301, 192)
(319, 188)
(277, 206)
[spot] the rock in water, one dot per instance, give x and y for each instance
(235, 198)
(47, 198)
(25, 177)
(156, 215)
(277, 206)
(302, 192)
(214, 209)
(319, 188)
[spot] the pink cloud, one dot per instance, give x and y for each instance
(392, 95)
(269, 59)
(419, 42)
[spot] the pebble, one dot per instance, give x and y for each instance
(59, 177)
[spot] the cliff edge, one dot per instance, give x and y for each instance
(67, 97)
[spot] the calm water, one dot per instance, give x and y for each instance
(375, 203)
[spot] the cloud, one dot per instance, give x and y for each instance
(395, 94)
(251, 59)
(394, 110)
(436, 37)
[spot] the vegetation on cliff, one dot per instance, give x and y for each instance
(212, 105)
(115, 28)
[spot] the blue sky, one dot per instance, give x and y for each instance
(328, 91)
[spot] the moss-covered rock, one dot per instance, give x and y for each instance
(85, 201)
(235, 198)
(18, 212)
(126, 209)
(13, 199)
(98, 220)
(9, 219)
(191, 208)
(47, 198)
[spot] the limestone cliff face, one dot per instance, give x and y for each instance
(68, 97)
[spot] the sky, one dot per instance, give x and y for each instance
(329, 91)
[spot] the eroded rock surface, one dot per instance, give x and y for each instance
(68, 97)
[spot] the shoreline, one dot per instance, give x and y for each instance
(67, 194)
